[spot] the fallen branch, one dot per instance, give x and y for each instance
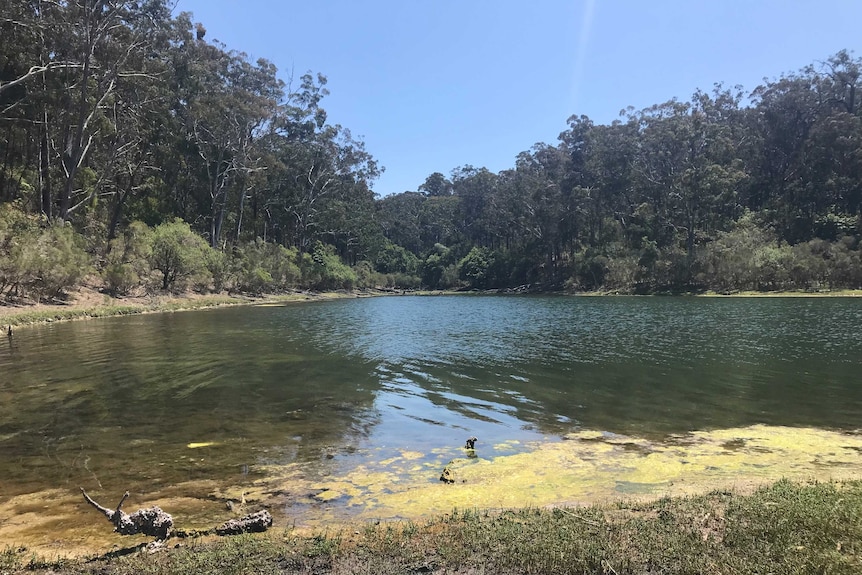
(156, 523)
(254, 523)
(151, 521)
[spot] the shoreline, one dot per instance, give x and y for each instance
(88, 303)
(581, 469)
(91, 304)
(781, 527)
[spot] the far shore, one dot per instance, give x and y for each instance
(87, 302)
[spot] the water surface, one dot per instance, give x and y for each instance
(193, 405)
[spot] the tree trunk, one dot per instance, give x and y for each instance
(44, 174)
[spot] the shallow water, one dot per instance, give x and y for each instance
(319, 410)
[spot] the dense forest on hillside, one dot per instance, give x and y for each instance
(136, 151)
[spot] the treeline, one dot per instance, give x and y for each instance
(133, 148)
(119, 121)
(726, 192)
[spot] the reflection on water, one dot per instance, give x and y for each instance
(219, 399)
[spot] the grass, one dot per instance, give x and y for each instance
(160, 304)
(785, 528)
(27, 317)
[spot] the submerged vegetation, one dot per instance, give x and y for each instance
(782, 528)
(133, 148)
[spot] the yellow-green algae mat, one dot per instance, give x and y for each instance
(585, 467)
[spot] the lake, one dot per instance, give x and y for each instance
(351, 408)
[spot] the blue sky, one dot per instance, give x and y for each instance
(437, 84)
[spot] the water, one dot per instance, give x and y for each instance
(148, 403)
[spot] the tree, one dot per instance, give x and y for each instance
(224, 102)
(436, 185)
(178, 253)
(475, 266)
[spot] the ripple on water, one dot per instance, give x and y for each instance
(287, 403)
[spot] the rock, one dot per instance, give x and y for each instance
(447, 476)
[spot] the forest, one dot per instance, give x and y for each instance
(137, 154)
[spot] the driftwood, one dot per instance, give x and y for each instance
(156, 523)
(151, 521)
(254, 523)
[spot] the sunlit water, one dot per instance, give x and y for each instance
(192, 405)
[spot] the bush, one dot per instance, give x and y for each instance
(218, 266)
(127, 262)
(37, 262)
(56, 262)
(322, 269)
(179, 255)
(262, 267)
(473, 268)
(17, 231)
(393, 258)
(366, 277)
(439, 270)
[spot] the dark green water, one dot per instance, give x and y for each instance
(116, 402)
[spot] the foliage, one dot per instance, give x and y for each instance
(127, 263)
(474, 268)
(178, 254)
(393, 258)
(38, 262)
(724, 191)
(265, 267)
(439, 269)
(323, 269)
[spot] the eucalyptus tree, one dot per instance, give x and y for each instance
(610, 183)
(322, 172)
(436, 185)
(400, 219)
(479, 205)
(225, 102)
(833, 152)
(538, 209)
(317, 185)
(439, 219)
(785, 110)
(73, 57)
(688, 171)
(110, 40)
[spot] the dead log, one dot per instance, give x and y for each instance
(254, 523)
(151, 521)
(156, 523)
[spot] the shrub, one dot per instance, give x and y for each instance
(393, 258)
(37, 262)
(127, 262)
(322, 269)
(56, 262)
(179, 255)
(262, 267)
(17, 231)
(473, 268)
(439, 270)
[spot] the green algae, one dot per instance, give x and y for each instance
(588, 467)
(591, 466)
